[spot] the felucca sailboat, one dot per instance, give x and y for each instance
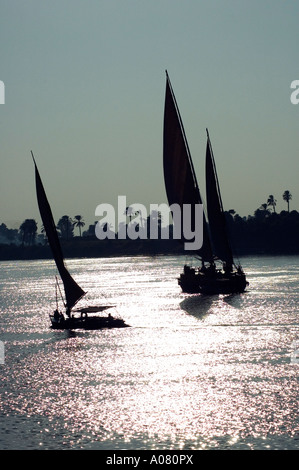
(182, 188)
(73, 292)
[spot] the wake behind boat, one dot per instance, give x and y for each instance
(73, 292)
(182, 188)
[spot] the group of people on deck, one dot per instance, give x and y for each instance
(58, 316)
(212, 271)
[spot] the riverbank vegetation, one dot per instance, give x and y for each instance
(264, 232)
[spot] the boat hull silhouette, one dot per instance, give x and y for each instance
(87, 323)
(193, 281)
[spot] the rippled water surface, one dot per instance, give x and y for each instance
(191, 372)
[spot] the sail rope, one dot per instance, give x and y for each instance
(58, 286)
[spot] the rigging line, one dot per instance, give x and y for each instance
(56, 295)
(57, 284)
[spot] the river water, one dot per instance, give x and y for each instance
(191, 372)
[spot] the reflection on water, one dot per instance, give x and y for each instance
(198, 305)
(192, 372)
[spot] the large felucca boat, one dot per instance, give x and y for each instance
(182, 188)
(73, 292)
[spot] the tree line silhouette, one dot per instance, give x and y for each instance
(265, 232)
(27, 234)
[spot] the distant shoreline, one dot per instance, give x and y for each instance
(93, 248)
(265, 233)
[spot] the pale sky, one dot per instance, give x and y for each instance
(84, 90)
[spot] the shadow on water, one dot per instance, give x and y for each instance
(62, 335)
(235, 300)
(198, 305)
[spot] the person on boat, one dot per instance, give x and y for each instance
(240, 270)
(188, 270)
(203, 268)
(211, 270)
(56, 315)
(227, 268)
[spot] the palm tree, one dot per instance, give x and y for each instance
(129, 212)
(287, 197)
(154, 220)
(28, 230)
(65, 226)
(79, 222)
(271, 202)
